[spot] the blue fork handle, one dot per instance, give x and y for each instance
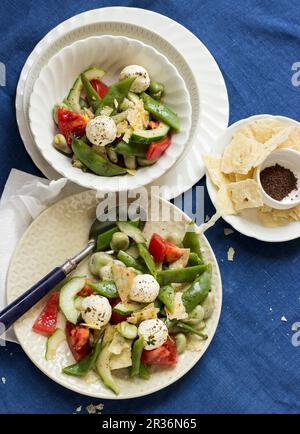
(22, 304)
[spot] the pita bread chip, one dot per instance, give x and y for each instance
(271, 144)
(278, 217)
(293, 140)
(224, 203)
(264, 129)
(124, 280)
(213, 166)
(268, 220)
(245, 194)
(148, 312)
(240, 155)
(239, 177)
(231, 177)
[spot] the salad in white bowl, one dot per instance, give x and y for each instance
(113, 130)
(121, 113)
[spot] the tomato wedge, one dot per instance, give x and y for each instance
(71, 123)
(157, 248)
(116, 317)
(45, 324)
(99, 87)
(86, 290)
(153, 124)
(78, 340)
(172, 252)
(156, 149)
(162, 250)
(166, 355)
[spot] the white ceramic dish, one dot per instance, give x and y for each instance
(247, 221)
(111, 53)
(63, 229)
(290, 159)
(194, 62)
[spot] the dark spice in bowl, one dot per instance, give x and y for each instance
(278, 182)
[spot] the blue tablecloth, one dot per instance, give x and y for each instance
(251, 365)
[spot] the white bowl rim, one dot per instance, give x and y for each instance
(81, 178)
(212, 190)
(277, 203)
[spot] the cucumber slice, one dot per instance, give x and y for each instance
(67, 298)
(78, 302)
(103, 369)
(74, 95)
(133, 251)
(143, 162)
(128, 331)
(149, 136)
(127, 308)
(131, 231)
(53, 342)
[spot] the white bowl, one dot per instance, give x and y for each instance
(290, 159)
(247, 222)
(111, 53)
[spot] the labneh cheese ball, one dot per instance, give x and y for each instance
(95, 311)
(144, 289)
(154, 332)
(101, 130)
(142, 81)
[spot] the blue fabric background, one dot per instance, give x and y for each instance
(251, 365)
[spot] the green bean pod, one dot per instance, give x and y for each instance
(82, 367)
(191, 240)
(182, 275)
(130, 261)
(194, 260)
(116, 94)
(104, 239)
(144, 372)
(146, 256)
(198, 291)
(106, 288)
(167, 297)
(96, 163)
(161, 111)
(137, 350)
(93, 97)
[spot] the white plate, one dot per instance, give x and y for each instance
(57, 78)
(194, 62)
(61, 231)
(247, 222)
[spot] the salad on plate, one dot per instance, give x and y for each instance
(138, 309)
(114, 130)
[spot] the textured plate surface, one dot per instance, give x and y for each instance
(59, 232)
(194, 62)
(247, 222)
(57, 78)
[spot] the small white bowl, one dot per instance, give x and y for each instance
(290, 159)
(111, 53)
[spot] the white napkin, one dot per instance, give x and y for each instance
(23, 199)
